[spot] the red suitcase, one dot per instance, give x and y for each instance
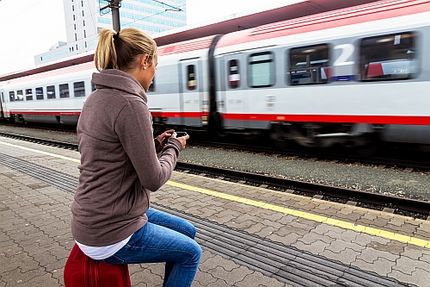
(82, 271)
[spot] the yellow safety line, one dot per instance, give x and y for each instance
(309, 216)
(306, 215)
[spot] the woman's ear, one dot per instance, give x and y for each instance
(144, 61)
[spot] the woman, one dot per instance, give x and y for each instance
(121, 165)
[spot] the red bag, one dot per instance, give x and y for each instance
(82, 271)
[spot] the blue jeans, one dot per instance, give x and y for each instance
(164, 238)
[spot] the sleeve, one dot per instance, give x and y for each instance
(134, 129)
(158, 146)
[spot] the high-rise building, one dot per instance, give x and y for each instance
(85, 18)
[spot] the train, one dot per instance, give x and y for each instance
(348, 77)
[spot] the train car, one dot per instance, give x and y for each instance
(55, 96)
(180, 93)
(350, 76)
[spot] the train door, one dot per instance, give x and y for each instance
(191, 90)
(1, 104)
(233, 93)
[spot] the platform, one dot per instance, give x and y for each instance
(250, 236)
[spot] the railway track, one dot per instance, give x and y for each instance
(395, 157)
(400, 205)
(392, 156)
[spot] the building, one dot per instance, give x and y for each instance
(85, 18)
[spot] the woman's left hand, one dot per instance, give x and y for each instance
(162, 138)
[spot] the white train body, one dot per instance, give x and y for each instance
(37, 98)
(339, 77)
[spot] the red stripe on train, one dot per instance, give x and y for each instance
(179, 114)
(76, 113)
(373, 119)
(402, 120)
(45, 113)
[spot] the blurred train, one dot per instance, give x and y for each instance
(349, 76)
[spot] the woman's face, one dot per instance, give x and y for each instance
(149, 73)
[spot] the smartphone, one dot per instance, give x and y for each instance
(181, 134)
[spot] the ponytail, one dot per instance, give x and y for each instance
(105, 56)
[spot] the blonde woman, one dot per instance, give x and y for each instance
(121, 165)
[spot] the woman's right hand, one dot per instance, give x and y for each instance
(182, 140)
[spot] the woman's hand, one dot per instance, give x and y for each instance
(162, 138)
(182, 140)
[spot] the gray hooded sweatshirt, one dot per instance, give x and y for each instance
(119, 164)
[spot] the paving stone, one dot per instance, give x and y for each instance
(323, 229)
(408, 266)
(266, 231)
(145, 277)
(364, 239)
(232, 276)
(426, 256)
(218, 260)
(387, 246)
(422, 234)
(313, 237)
(58, 275)
(339, 245)
(45, 280)
(419, 277)
(370, 255)
(204, 278)
(219, 283)
(288, 239)
(415, 253)
(380, 266)
(259, 280)
(315, 247)
(16, 277)
(346, 256)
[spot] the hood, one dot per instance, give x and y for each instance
(117, 79)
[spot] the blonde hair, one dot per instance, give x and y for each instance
(119, 50)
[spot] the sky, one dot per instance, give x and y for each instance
(31, 27)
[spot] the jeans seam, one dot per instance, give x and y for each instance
(122, 261)
(163, 249)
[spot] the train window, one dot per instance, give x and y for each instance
(233, 74)
(50, 92)
(11, 96)
(388, 57)
(39, 93)
(29, 94)
(2, 97)
(309, 65)
(261, 70)
(191, 77)
(79, 89)
(19, 95)
(64, 91)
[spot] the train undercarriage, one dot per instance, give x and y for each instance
(322, 135)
